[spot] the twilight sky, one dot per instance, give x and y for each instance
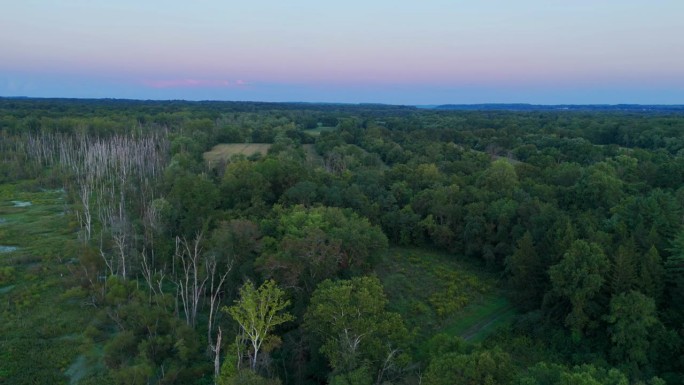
(385, 51)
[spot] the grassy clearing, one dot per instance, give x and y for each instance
(437, 292)
(429, 288)
(36, 320)
(317, 131)
(478, 320)
(223, 152)
(312, 157)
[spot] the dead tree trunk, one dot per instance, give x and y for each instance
(215, 286)
(189, 282)
(216, 350)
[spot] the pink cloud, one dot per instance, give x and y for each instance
(193, 83)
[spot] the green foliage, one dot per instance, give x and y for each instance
(482, 318)
(624, 276)
(319, 243)
(455, 292)
(545, 373)
(244, 188)
(359, 376)
(674, 274)
(500, 178)
(542, 373)
(489, 367)
(193, 198)
(526, 272)
(150, 342)
(498, 193)
(6, 274)
(349, 316)
(245, 377)
(434, 292)
(578, 278)
(652, 274)
(258, 311)
(633, 327)
(600, 185)
(589, 375)
(40, 329)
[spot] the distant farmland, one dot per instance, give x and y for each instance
(223, 152)
(317, 131)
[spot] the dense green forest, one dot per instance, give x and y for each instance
(254, 243)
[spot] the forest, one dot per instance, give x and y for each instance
(150, 242)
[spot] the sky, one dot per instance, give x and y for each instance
(414, 52)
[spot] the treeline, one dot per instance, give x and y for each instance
(261, 269)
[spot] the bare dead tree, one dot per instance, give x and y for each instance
(216, 350)
(215, 286)
(190, 282)
(115, 227)
(153, 278)
(85, 190)
(108, 260)
(215, 291)
(120, 238)
(109, 177)
(387, 365)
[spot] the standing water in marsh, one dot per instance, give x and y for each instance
(15, 203)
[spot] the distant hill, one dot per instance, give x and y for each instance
(557, 107)
(255, 106)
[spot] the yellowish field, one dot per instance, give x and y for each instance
(226, 150)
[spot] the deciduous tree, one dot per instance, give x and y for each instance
(258, 311)
(577, 278)
(350, 318)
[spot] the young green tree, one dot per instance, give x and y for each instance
(527, 272)
(652, 274)
(674, 275)
(500, 178)
(632, 320)
(258, 311)
(578, 278)
(357, 332)
(624, 274)
(319, 243)
(490, 367)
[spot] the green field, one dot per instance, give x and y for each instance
(317, 131)
(440, 293)
(224, 151)
(481, 318)
(40, 332)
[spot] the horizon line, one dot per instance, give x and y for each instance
(423, 105)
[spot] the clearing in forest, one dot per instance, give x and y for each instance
(317, 131)
(312, 157)
(224, 151)
(477, 321)
(436, 292)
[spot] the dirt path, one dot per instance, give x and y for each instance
(484, 323)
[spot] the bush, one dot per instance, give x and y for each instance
(6, 275)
